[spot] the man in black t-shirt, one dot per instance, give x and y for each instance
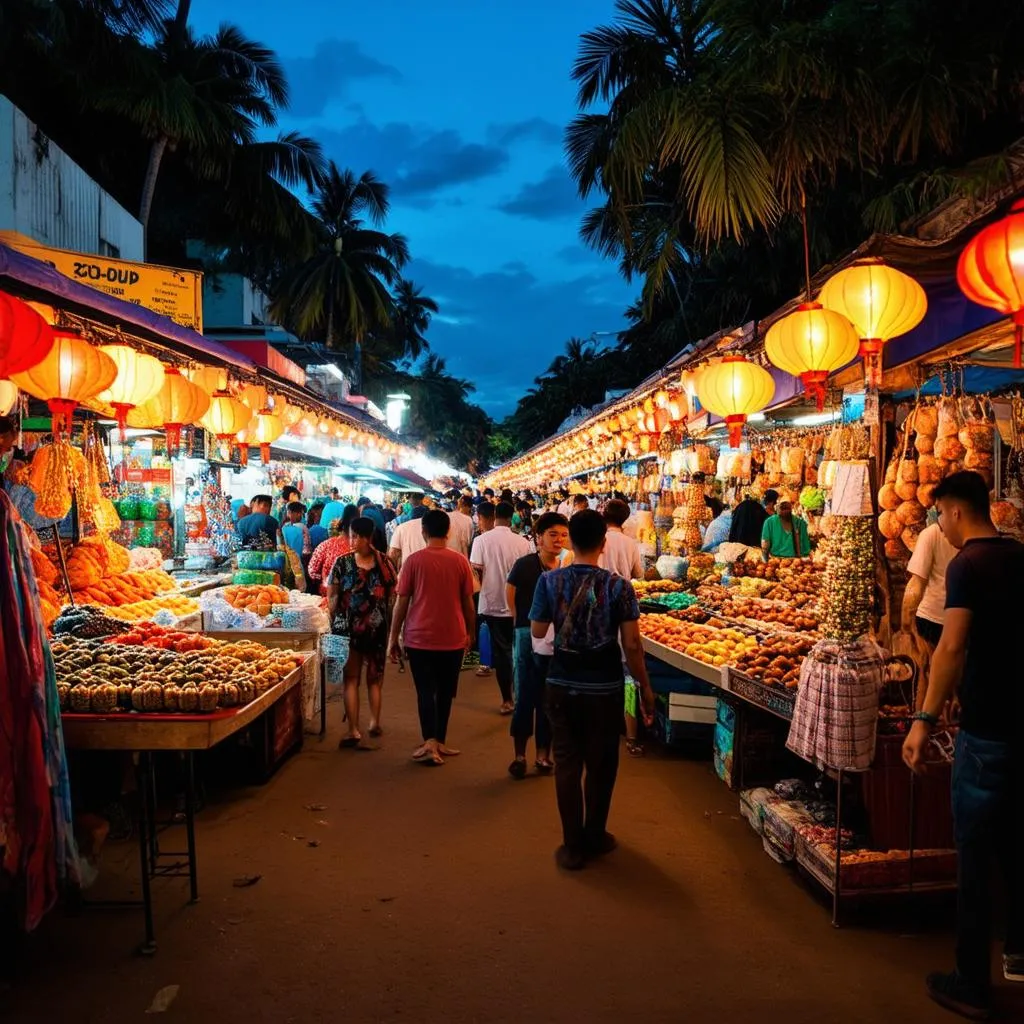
(984, 611)
(530, 669)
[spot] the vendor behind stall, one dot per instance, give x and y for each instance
(749, 518)
(785, 535)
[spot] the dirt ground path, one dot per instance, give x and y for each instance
(432, 895)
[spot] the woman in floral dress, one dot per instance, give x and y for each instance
(359, 593)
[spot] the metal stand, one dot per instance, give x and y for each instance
(150, 854)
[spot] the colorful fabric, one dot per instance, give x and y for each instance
(325, 555)
(362, 610)
(35, 794)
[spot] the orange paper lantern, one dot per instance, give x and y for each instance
(177, 404)
(268, 428)
(72, 371)
(226, 416)
(991, 270)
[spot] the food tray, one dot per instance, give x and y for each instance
(776, 700)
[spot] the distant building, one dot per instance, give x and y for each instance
(47, 197)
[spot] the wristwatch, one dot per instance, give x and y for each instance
(925, 716)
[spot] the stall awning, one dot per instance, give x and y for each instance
(39, 281)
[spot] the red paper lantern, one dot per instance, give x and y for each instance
(991, 270)
(25, 337)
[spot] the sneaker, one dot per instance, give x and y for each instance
(569, 860)
(599, 847)
(952, 993)
(517, 769)
(1013, 966)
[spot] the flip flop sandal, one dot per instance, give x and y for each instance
(544, 767)
(431, 760)
(634, 749)
(376, 731)
(483, 672)
(350, 742)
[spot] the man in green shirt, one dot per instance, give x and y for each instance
(785, 535)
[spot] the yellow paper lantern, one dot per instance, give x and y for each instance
(268, 428)
(810, 344)
(139, 378)
(72, 371)
(208, 378)
(8, 396)
(734, 389)
(226, 417)
(254, 396)
(177, 404)
(880, 301)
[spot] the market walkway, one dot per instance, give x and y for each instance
(432, 896)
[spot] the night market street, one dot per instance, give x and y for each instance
(433, 895)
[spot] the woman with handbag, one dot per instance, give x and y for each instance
(358, 597)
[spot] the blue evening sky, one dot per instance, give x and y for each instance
(460, 106)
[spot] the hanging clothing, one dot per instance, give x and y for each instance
(35, 794)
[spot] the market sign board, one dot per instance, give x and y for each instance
(174, 293)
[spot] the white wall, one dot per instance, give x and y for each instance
(45, 195)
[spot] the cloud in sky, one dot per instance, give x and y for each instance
(536, 129)
(552, 197)
(417, 162)
(317, 80)
(510, 323)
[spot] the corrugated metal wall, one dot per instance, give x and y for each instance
(45, 195)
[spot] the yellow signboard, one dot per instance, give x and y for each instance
(174, 293)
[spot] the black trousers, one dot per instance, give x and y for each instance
(435, 674)
(585, 729)
(500, 627)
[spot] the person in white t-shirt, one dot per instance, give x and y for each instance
(407, 539)
(460, 537)
(493, 555)
(621, 554)
(924, 601)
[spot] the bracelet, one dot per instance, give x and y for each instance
(925, 716)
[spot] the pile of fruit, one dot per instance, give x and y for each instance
(777, 614)
(776, 661)
(46, 576)
(85, 621)
(753, 586)
(794, 572)
(103, 677)
(127, 588)
(702, 565)
(149, 634)
(255, 598)
(648, 588)
(704, 643)
(694, 614)
(178, 604)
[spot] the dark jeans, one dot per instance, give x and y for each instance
(530, 672)
(500, 627)
(435, 674)
(987, 819)
(586, 730)
(927, 630)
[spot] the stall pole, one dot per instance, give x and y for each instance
(63, 566)
(143, 772)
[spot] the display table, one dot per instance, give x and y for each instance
(143, 735)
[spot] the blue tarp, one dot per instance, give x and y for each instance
(976, 380)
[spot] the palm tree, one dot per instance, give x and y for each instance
(341, 292)
(410, 317)
(204, 96)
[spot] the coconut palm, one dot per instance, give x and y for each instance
(340, 294)
(410, 317)
(205, 97)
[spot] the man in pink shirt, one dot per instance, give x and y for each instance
(435, 604)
